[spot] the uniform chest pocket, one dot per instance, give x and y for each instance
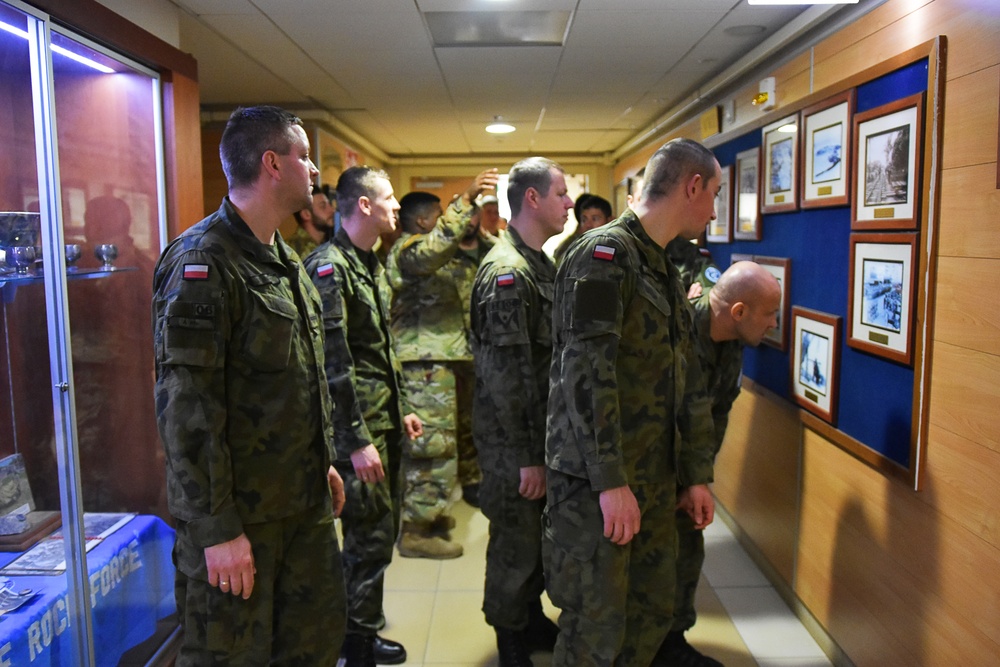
(646, 329)
(270, 328)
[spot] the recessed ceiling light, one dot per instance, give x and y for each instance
(498, 126)
(802, 2)
(744, 30)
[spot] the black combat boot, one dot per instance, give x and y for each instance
(541, 633)
(388, 652)
(511, 647)
(676, 652)
(358, 650)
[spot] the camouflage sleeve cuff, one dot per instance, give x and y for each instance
(696, 467)
(605, 476)
(525, 459)
(216, 529)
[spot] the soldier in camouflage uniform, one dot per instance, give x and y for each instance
(315, 224)
(512, 344)
(628, 420)
(738, 311)
(243, 413)
(369, 422)
(431, 268)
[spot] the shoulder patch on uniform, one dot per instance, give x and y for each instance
(196, 272)
(604, 252)
(712, 274)
(505, 280)
(323, 270)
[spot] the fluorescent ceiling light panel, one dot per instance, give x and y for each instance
(497, 28)
(802, 2)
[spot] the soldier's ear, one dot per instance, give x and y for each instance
(738, 310)
(531, 197)
(365, 205)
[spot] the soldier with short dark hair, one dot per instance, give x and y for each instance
(244, 416)
(512, 346)
(370, 421)
(628, 420)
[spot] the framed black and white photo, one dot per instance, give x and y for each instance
(720, 230)
(881, 292)
(747, 223)
(885, 180)
(781, 269)
(780, 164)
(826, 151)
(815, 361)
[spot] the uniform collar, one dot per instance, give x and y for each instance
(653, 255)
(537, 259)
(248, 241)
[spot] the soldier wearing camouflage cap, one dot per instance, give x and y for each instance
(431, 268)
(370, 422)
(512, 345)
(244, 416)
(628, 420)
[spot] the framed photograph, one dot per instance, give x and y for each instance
(781, 150)
(885, 179)
(781, 269)
(815, 361)
(720, 230)
(747, 220)
(826, 151)
(881, 293)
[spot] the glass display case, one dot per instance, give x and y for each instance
(85, 569)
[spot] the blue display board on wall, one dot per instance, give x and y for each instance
(875, 401)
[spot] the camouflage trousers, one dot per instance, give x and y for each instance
(616, 601)
(690, 558)
(440, 393)
(296, 613)
(514, 553)
(370, 523)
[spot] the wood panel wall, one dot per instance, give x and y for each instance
(897, 577)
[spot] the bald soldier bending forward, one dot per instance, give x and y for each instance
(741, 307)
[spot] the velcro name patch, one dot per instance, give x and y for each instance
(603, 252)
(196, 272)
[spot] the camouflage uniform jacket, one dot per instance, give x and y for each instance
(431, 278)
(512, 345)
(722, 365)
(301, 242)
(627, 401)
(693, 265)
(361, 364)
(241, 398)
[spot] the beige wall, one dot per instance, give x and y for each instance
(897, 577)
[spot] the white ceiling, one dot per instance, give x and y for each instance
(373, 66)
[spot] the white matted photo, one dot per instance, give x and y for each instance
(780, 164)
(826, 151)
(815, 361)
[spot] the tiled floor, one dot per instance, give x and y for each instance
(433, 608)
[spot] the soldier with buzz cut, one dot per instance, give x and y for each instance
(629, 420)
(370, 422)
(244, 415)
(512, 345)
(431, 268)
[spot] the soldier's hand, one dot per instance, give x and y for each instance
(694, 291)
(367, 464)
(532, 482)
(621, 514)
(486, 180)
(230, 566)
(337, 494)
(414, 427)
(698, 502)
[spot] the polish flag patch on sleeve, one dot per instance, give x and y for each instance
(505, 280)
(196, 272)
(324, 270)
(606, 253)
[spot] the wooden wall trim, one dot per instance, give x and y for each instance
(103, 25)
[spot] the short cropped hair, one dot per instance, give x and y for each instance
(249, 133)
(598, 202)
(532, 172)
(673, 163)
(355, 183)
(414, 205)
